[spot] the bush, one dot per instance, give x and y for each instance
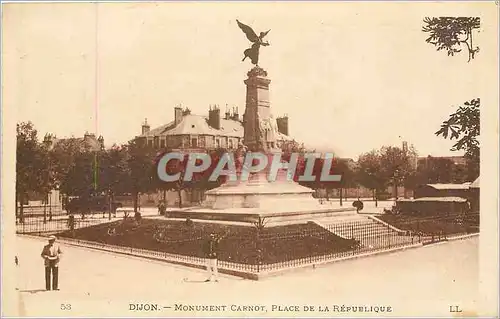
(358, 205)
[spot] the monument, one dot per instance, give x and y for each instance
(278, 200)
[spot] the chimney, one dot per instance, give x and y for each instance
(177, 114)
(282, 123)
(87, 136)
(214, 117)
(228, 114)
(145, 127)
(101, 141)
(405, 146)
(236, 116)
(47, 140)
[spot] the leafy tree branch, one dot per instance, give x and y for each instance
(450, 33)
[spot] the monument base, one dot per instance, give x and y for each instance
(278, 202)
(251, 216)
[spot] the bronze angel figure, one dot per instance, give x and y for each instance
(253, 51)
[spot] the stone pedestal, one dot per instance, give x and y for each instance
(280, 200)
(259, 124)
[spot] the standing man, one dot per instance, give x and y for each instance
(51, 255)
(211, 247)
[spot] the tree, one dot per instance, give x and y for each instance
(348, 176)
(397, 165)
(450, 33)
(31, 165)
(63, 155)
(200, 180)
(339, 167)
(464, 126)
(141, 169)
(82, 179)
(48, 178)
(435, 170)
(113, 172)
(370, 174)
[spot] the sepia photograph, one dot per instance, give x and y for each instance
(250, 159)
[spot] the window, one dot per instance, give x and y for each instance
(150, 143)
(217, 143)
(162, 143)
(194, 142)
(231, 143)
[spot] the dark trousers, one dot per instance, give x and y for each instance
(55, 277)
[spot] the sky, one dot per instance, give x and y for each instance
(352, 77)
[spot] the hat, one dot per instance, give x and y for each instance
(52, 237)
(212, 235)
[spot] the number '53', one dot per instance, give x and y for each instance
(65, 306)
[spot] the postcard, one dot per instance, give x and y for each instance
(250, 159)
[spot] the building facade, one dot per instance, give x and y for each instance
(190, 131)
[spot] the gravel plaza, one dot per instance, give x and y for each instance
(434, 275)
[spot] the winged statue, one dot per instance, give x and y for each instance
(257, 40)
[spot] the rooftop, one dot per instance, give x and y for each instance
(475, 184)
(198, 124)
(463, 186)
(435, 199)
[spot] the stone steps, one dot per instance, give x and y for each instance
(359, 227)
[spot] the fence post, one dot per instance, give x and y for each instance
(259, 252)
(389, 235)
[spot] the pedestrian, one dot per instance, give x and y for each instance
(51, 254)
(211, 247)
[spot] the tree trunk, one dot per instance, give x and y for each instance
(50, 206)
(345, 194)
(165, 196)
(341, 196)
(179, 194)
(136, 200)
(376, 198)
(327, 194)
(110, 203)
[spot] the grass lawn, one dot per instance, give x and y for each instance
(240, 244)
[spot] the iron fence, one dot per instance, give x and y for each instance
(257, 250)
(49, 211)
(37, 226)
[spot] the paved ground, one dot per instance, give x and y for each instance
(417, 282)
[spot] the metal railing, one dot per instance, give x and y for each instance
(253, 250)
(35, 226)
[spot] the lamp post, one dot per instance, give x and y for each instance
(45, 208)
(50, 205)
